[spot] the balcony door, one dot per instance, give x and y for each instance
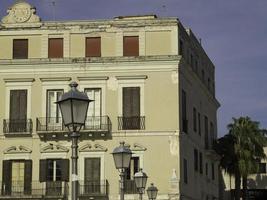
(94, 110)
(134, 167)
(92, 176)
(18, 111)
(53, 115)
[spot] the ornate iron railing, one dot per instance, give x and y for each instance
(17, 126)
(93, 188)
(131, 123)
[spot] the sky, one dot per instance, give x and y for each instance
(233, 33)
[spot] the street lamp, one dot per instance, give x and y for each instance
(73, 106)
(152, 192)
(122, 156)
(140, 179)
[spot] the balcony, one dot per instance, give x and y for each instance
(89, 189)
(34, 190)
(53, 126)
(131, 123)
(17, 127)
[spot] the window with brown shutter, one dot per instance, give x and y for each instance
(20, 49)
(93, 47)
(130, 46)
(55, 48)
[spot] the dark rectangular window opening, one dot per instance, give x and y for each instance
(195, 119)
(55, 48)
(184, 115)
(212, 171)
(262, 168)
(196, 159)
(93, 47)
(185, 171)
(199, 124)
(200, 163)
(130, 46)
(20, 49)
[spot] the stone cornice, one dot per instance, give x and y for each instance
(48, 79)
(11, 80)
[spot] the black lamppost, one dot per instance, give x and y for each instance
(73, 106)
(122, 156)
(140, 179)
(152, 192)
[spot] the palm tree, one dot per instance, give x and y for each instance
(240, 150)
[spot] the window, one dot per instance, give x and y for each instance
(93, 47)
(18, 111)
(200, 163)
(195, 119)
(55, 48)
(199, 124)
(92, 175)
(130, 187)
(262, 168)
(181, 48)
(207, 169)
(212, 171)
(20, 49)
(196, 159)
(131, 108)
(17, 176)
(206, 132)
(185, 171)
(130, 46)
(94, 110)
(184, 117)
(53, 114)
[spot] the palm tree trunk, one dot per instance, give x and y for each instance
(245, 187)
(237, 186)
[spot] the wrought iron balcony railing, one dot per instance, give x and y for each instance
(34, 189)
(131, 123)
(55, 124)
(93, 188)
(17, 126)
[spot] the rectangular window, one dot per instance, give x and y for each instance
(199, 124)
(133, 167)
(206, 124)
(18, 111)
(55, 48)
(93, 47)
(92, 175)
(212, 171)
(262, 168)
(181, 48)
(20, 49)
(207, 169)
(200, 163)
(185, 171)
(53, 114)
(184, 116)
(131, 108)
(130, 46)
(196, 159)
(195, 119)
(94, 112)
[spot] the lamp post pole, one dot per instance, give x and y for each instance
(74, 158)
(122, 184)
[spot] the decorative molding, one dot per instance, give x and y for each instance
(131, 77)
(17, 149)
(21, 14)
(54, 148)
(92, 148)
(47, 79)
(12, 80)
(92, 78)
(138, 147)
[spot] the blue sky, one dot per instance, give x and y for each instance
(233, 33)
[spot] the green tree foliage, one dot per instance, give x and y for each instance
(241, 150)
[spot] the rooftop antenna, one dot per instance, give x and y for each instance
(54, 10)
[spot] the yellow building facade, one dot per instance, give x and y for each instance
(153, 87)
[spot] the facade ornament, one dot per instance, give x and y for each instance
(138, 147)
(54, 148)
(17, 149)
(92, 148)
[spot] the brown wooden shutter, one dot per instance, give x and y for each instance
(18, 104)
(43, 170)
(93, 47)
(6, 176)
(55, 48)
(131, 101)
(92, 169)
(28, 177)
(130, 46)
(65, 166)
(20, 49)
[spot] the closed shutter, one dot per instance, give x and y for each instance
(43, 170)
(130, 46)
(93, 47)
(7, 170)
(20, 49)
(55, 48)
(28, 177)
(65, 166)
(92, 169)
(131, 101)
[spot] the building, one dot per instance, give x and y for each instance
(153, 87)
(257, 183)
